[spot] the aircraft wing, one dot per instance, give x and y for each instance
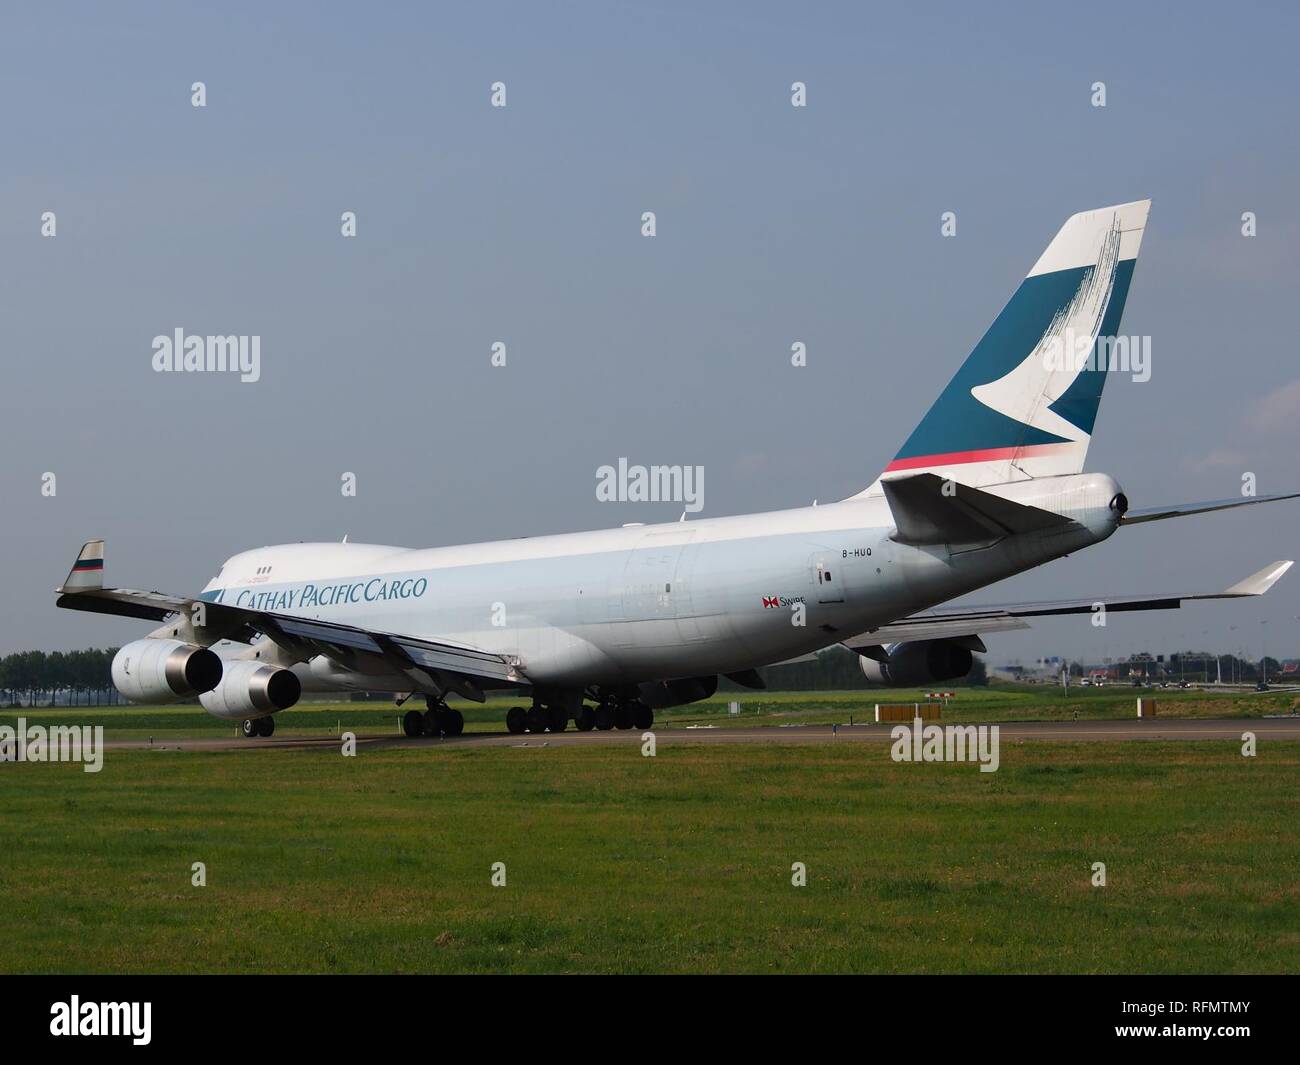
(460, 667)
(957, 622)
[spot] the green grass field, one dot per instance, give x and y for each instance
(678, 863)
(993, 704)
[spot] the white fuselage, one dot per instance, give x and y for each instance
(654, 602)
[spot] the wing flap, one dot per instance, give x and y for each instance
(324, 633)
(923, 627)
(465, 660)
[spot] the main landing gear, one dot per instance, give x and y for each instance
(609, 713)
(623, 714)
(438, 720)
(538, 718)
(257, 726)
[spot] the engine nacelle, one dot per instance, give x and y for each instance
(910, 665)
(164, 671)
(251, 689)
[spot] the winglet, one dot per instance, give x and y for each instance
(1261, 582)
(88, 570)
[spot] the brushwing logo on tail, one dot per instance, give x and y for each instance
(1025, 401)
(1027, 393)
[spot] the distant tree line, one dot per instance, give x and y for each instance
(35, 678)
(1178, 665)
(838, 669)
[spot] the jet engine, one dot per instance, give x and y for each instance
(908, 665)
(252, 689)
(164, 671)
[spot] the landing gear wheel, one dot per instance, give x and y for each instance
(265, 726)
(622, 716)
(248, 728)
(453, 722)
(642, 716)
(604, 717)
(585, 719)
(432, 722)
(516, 720)
(413, 724)
(536, 718)
(557, 718)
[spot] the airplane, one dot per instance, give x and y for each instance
(602, 628)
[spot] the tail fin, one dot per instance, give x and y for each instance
(1024, 402)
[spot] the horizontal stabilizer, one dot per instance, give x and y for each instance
(929, 509)
(1180, 510)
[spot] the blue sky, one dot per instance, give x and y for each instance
(521, 224)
